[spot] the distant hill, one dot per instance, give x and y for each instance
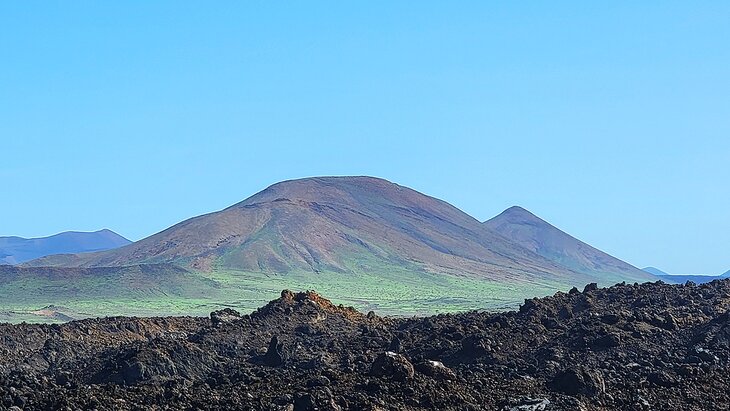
(522, 227)
(357, 224)
(655, 271)
(17, 250)
(683, 278)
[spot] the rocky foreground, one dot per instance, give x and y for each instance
(628, 347)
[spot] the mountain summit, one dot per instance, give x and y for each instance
(357, 224)
(537, 235)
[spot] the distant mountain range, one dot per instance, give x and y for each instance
(683, 278)
(363, 241)
(16, 250)
(355, 224)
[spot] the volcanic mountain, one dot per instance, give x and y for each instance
(522, 227)
(346, 224)
(16, 250)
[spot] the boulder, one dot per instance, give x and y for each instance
(274, 356)
(574, 381)
(436, 370)
(392, 365)
(527, 404)
(224, 316)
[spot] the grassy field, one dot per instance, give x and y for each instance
(390, 290)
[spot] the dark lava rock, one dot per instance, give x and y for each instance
(392, 365)
(648, 346)
(610, 318)
(527, 404)
(575, 381)
(318, 400)
(224, 316)
(608, 341)
(435, 369)
(662, 378)
(274, 356)
(701, 355)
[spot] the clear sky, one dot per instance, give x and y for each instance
(612, 120)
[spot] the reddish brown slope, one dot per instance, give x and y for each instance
(338, 224)
(531, 232)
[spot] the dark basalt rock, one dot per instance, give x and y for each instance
(274, 356)
(435, 369)
(393, 366)
(628, 347)
(662, 378)
(224, 316)
(527, 404)
(575, 381)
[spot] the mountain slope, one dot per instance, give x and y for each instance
(344, 224)
(16, 250)
(531, 232)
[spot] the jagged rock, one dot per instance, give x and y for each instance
(63, 378)
(318, 400)
(527, 404)
(435, 369)
(320, 381)
(224, 316)
(575, 381)
(699, 354)
(610, 318)
(474, 347)
(590, 287)
(392, 365)
(608, 340)
(274, 356)
(662, 379)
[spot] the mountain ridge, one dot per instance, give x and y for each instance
(17, 250)
(535, 234)
(340, 224)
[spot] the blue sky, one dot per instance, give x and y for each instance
(612, 121)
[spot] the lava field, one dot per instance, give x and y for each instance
(651, 346)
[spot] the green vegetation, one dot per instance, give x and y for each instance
(387, 289)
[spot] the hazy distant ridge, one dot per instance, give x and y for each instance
(17, 250)
(683, 278)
